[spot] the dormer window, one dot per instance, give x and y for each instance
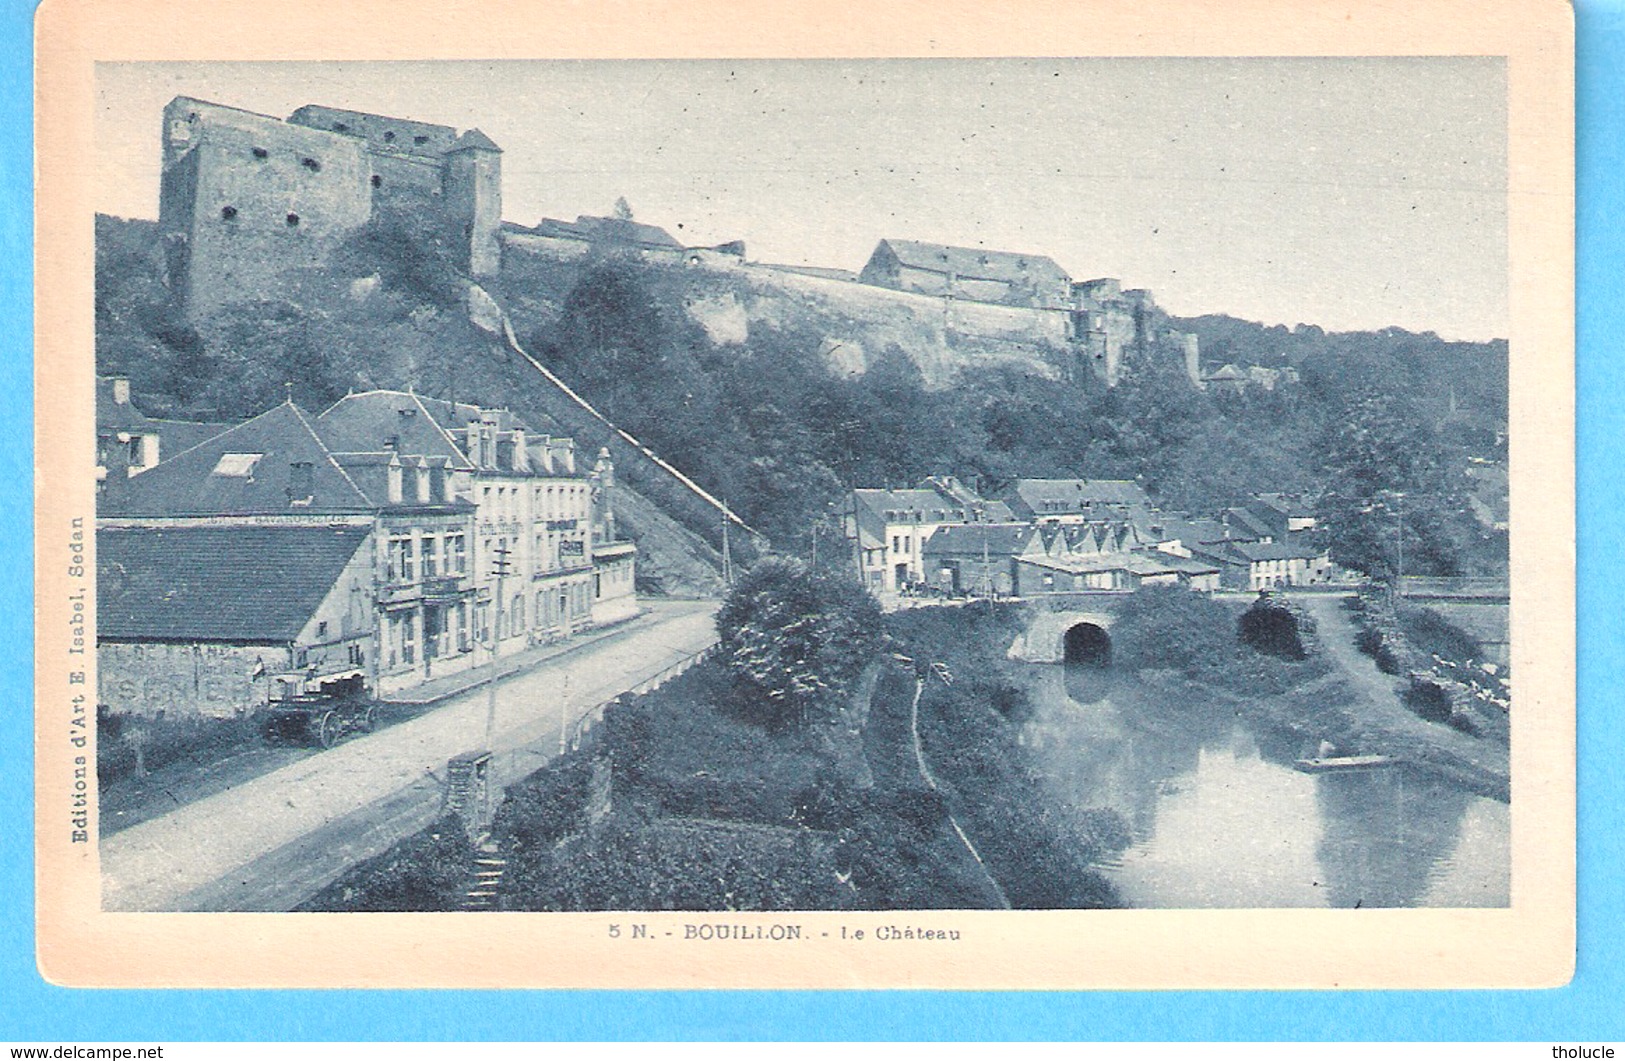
(237, 465)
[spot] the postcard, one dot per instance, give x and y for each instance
(1044, 496)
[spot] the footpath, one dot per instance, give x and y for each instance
(1390, 728)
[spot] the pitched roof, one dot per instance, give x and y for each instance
(996, 539)
(607, 230)
(1241, 519)
(112, 415)
(455, 415)
(902, 506)
(258, 584)
(247, 470)
(1044, 496)
(178, 436)
(474, 140)
(370, 421)
(1228, 372)
(976, 263)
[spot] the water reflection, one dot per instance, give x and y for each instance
(1219, 818)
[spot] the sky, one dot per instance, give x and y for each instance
(1349, 193)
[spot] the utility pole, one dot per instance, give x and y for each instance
(564, 703)
(1400, 584)
(727, 558)
(500, 567)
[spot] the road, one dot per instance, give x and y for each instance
(272, 842)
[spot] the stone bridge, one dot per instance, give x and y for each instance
(1069, 632)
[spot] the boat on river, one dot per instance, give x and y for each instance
(1335, 763)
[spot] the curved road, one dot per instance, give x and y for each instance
(274, 841)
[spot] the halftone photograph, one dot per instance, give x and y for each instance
(723, 492)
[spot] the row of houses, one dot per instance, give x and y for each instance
(390, 540)
(1039, 536)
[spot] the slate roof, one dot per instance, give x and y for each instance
(364, 423)
(608, 230)
(976, 263)
(473, 140)
(1288, 550)
(257, 585)
(178, 436)
(930, 505)
(969, 539)
(188, 484)
(1043, 497)
(1243, 520)
(112, 416)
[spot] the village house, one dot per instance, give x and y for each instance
(275, 473)
(1255, 565)
(1039, 575)
(128, 441)
(167, 644)
(888, 530)
(1075, 500)
(978, 558)
(546, 524)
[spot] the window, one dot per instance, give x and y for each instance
(340, 127)
(420, 140)
(227, 213)
(431, 557)
(389, 137)
(400, 560)
(293, 220)
(261, 153)
(409, 644)
(237, 465)
(377, 181)
(456, 555)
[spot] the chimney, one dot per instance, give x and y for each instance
(121, 391)
(301, 483)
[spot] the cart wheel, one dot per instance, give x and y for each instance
(328, 730)
(369, 720)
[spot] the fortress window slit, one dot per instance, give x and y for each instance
(377, 181)
(227, 213)
(293, 220)
(260, 152)
(311, 164)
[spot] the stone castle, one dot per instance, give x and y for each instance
(247, 199)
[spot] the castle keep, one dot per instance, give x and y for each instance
(246, 198)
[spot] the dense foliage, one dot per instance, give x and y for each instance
(793, 639)
(762, 422)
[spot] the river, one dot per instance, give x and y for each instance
(1219, 818)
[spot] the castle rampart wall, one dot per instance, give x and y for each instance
(249, 198)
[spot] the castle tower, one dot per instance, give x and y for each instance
(473, 198)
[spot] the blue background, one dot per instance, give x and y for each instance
(1591, 1008)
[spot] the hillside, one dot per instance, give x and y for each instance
(777, 392)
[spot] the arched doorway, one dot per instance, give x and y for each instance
(1088, 645)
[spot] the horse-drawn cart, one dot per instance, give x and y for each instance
(315, 719)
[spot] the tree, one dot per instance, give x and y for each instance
(793, 640)
(623, 209)
(1388, 487)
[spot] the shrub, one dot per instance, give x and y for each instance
(793, 640)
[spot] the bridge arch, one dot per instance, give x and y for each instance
(1048, 633)
(1086, 643)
